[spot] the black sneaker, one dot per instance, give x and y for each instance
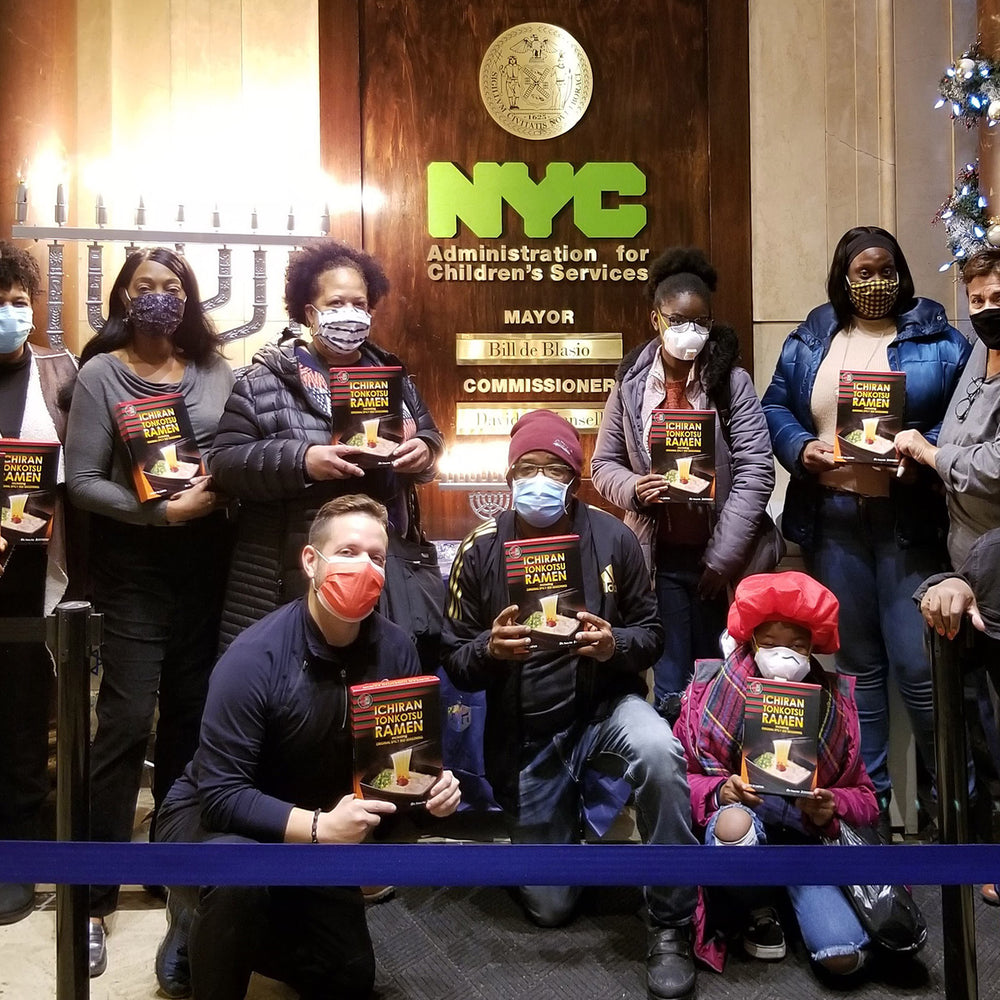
(763, 937)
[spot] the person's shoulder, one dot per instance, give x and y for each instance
(480, 536)
(381, 356)
(100, 366)
(214, 364)
(928, 317)
(100, 370)
(470, 552)
(638, 360)
(55, 360)
(273, 629)
(42, 353)
(740, 380)
(820, 323)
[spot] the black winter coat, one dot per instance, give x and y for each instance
(259, 457)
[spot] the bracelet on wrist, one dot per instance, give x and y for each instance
(315, 826)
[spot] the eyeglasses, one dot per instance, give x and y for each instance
(971, 395)
(675, 319)
(528, 470)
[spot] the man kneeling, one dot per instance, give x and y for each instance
(552, 713)
(274, 764)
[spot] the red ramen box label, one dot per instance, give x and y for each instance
(545, 581)
(367, 406)
(780, 733)
(28, 480)
(869, 416)
(161, 443)
(396, 727)
(682, 450)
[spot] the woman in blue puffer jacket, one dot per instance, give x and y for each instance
(865, 533)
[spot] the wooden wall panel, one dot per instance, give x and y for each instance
(654, 83)
(38, 80)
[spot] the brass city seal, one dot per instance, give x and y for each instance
(536, 80)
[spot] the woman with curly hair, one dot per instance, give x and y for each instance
(273, 450)
(694, 550)
(869, 535)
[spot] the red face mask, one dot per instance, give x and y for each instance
(351, 587)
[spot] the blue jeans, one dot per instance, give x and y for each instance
(881, 631)
(691, 628)
(828, 924)
(633, 743)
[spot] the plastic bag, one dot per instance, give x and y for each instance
(888, 913)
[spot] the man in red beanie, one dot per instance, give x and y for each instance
(778, 620)
(554, 713)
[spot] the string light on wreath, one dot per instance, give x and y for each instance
(971, 86)
(965, 220)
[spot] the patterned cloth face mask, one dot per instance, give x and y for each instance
(157, 313)
(874, 298)
(344, 329)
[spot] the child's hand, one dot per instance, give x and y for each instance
(733, 790)
(819, 808)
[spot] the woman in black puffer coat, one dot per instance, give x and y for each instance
(273, 451)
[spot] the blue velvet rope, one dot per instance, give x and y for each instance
(492, 864)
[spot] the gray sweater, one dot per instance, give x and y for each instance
(968, 459)
(98, 468)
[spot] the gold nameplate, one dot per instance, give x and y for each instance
(538, 348)
(536, 80)
(497, 419)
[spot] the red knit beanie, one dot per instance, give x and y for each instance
(543, 430)
(786, 597)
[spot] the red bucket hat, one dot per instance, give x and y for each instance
(786, 597)
(543, 430)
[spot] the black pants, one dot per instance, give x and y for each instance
(313, 938)
(160, 591)
(26, 680)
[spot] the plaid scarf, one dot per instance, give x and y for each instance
(718, 741)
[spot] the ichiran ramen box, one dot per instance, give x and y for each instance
(367, 408)
(869, 415)
(396, 727)
(6, 553)
(545, 581)
(27, 492)
(161, 443)
(780, 734)
(682, 449)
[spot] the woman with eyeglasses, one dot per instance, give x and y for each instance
(868, 534)
(967, 453)
(695, 550)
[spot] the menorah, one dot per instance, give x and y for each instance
(97, 237)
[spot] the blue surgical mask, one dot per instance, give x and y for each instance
(539, 500)
(15, 325)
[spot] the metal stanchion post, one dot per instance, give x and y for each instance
(959, 921)
(71, 637)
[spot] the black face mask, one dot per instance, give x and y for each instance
(987, 326)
